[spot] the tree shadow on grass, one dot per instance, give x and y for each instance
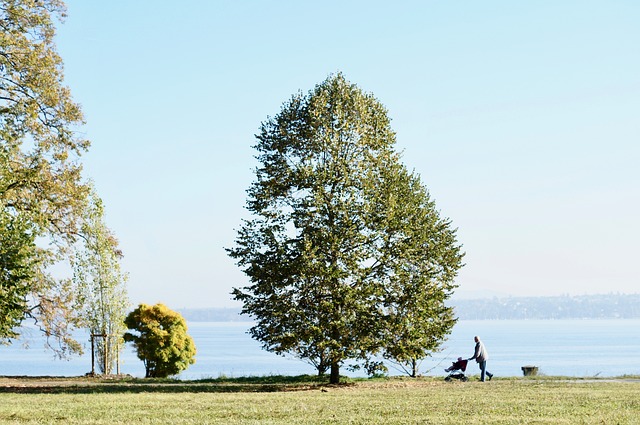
(49, 385)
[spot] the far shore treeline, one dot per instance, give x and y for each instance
(609, 306)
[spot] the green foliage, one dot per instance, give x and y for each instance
(100, 285)
(17, 257)
(346, 252)
(40, 173)
(161, 341)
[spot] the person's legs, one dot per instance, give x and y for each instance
(483, 367)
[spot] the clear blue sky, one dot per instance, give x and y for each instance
(521, 117)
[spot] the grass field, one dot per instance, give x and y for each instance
(301, 400)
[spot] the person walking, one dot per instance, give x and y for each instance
(481, 355)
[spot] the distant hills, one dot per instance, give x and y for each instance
(608, 306)
(213, 315)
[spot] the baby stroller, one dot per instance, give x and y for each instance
(456, 370)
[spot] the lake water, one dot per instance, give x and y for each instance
(580, 348)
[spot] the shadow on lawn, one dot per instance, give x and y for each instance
(82, 385)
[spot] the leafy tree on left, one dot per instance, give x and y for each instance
(42, 194)
(17, 261)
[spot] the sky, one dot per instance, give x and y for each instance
(520, 117)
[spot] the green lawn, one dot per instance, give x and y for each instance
(391, 401)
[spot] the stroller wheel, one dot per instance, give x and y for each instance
(448, 379)
(464, 379)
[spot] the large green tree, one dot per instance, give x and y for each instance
(40, 172)
(161, 340)
(100, 285)
(346, 253)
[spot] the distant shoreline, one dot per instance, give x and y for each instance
(602, 306)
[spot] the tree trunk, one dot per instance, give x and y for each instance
(335, 373)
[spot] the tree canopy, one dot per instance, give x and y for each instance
(161, 340)
(345, 251)
(42, 194)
